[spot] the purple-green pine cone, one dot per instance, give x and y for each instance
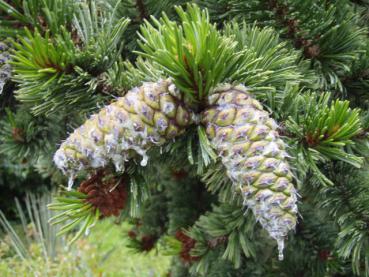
(248, 143)
(146, 116)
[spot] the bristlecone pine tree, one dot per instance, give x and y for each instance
(232, 134)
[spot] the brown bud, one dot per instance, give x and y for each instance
(18, 134)
(312, 51)
(148, 242)
(187, 244)
(108, 194)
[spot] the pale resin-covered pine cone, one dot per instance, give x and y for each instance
(246, 139)
(146, 116)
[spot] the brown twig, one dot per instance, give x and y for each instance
(142, 9)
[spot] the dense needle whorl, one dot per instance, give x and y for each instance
(254, 156)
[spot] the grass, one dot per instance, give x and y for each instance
(24, 252)
(115, 259)
(102, 253)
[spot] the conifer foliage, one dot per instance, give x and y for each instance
(232, 134)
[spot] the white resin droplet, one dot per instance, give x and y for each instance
(280, 242)
(119, 166)
(70, 182)
(145, 158)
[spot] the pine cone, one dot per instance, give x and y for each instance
(146, 116)
(247, 141)
(108, 196)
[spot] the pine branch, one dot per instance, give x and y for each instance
(35, 14)
(100, 196)
(347, 203)
(317, 36)
(228, 10)
(324, 129)
(267, 64)
(226, 224)
(23, 137)
(54, 74)
(328, 39)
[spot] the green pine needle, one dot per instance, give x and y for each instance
(73, 211)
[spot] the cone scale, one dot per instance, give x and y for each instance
(247, 141)
(146, 116)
